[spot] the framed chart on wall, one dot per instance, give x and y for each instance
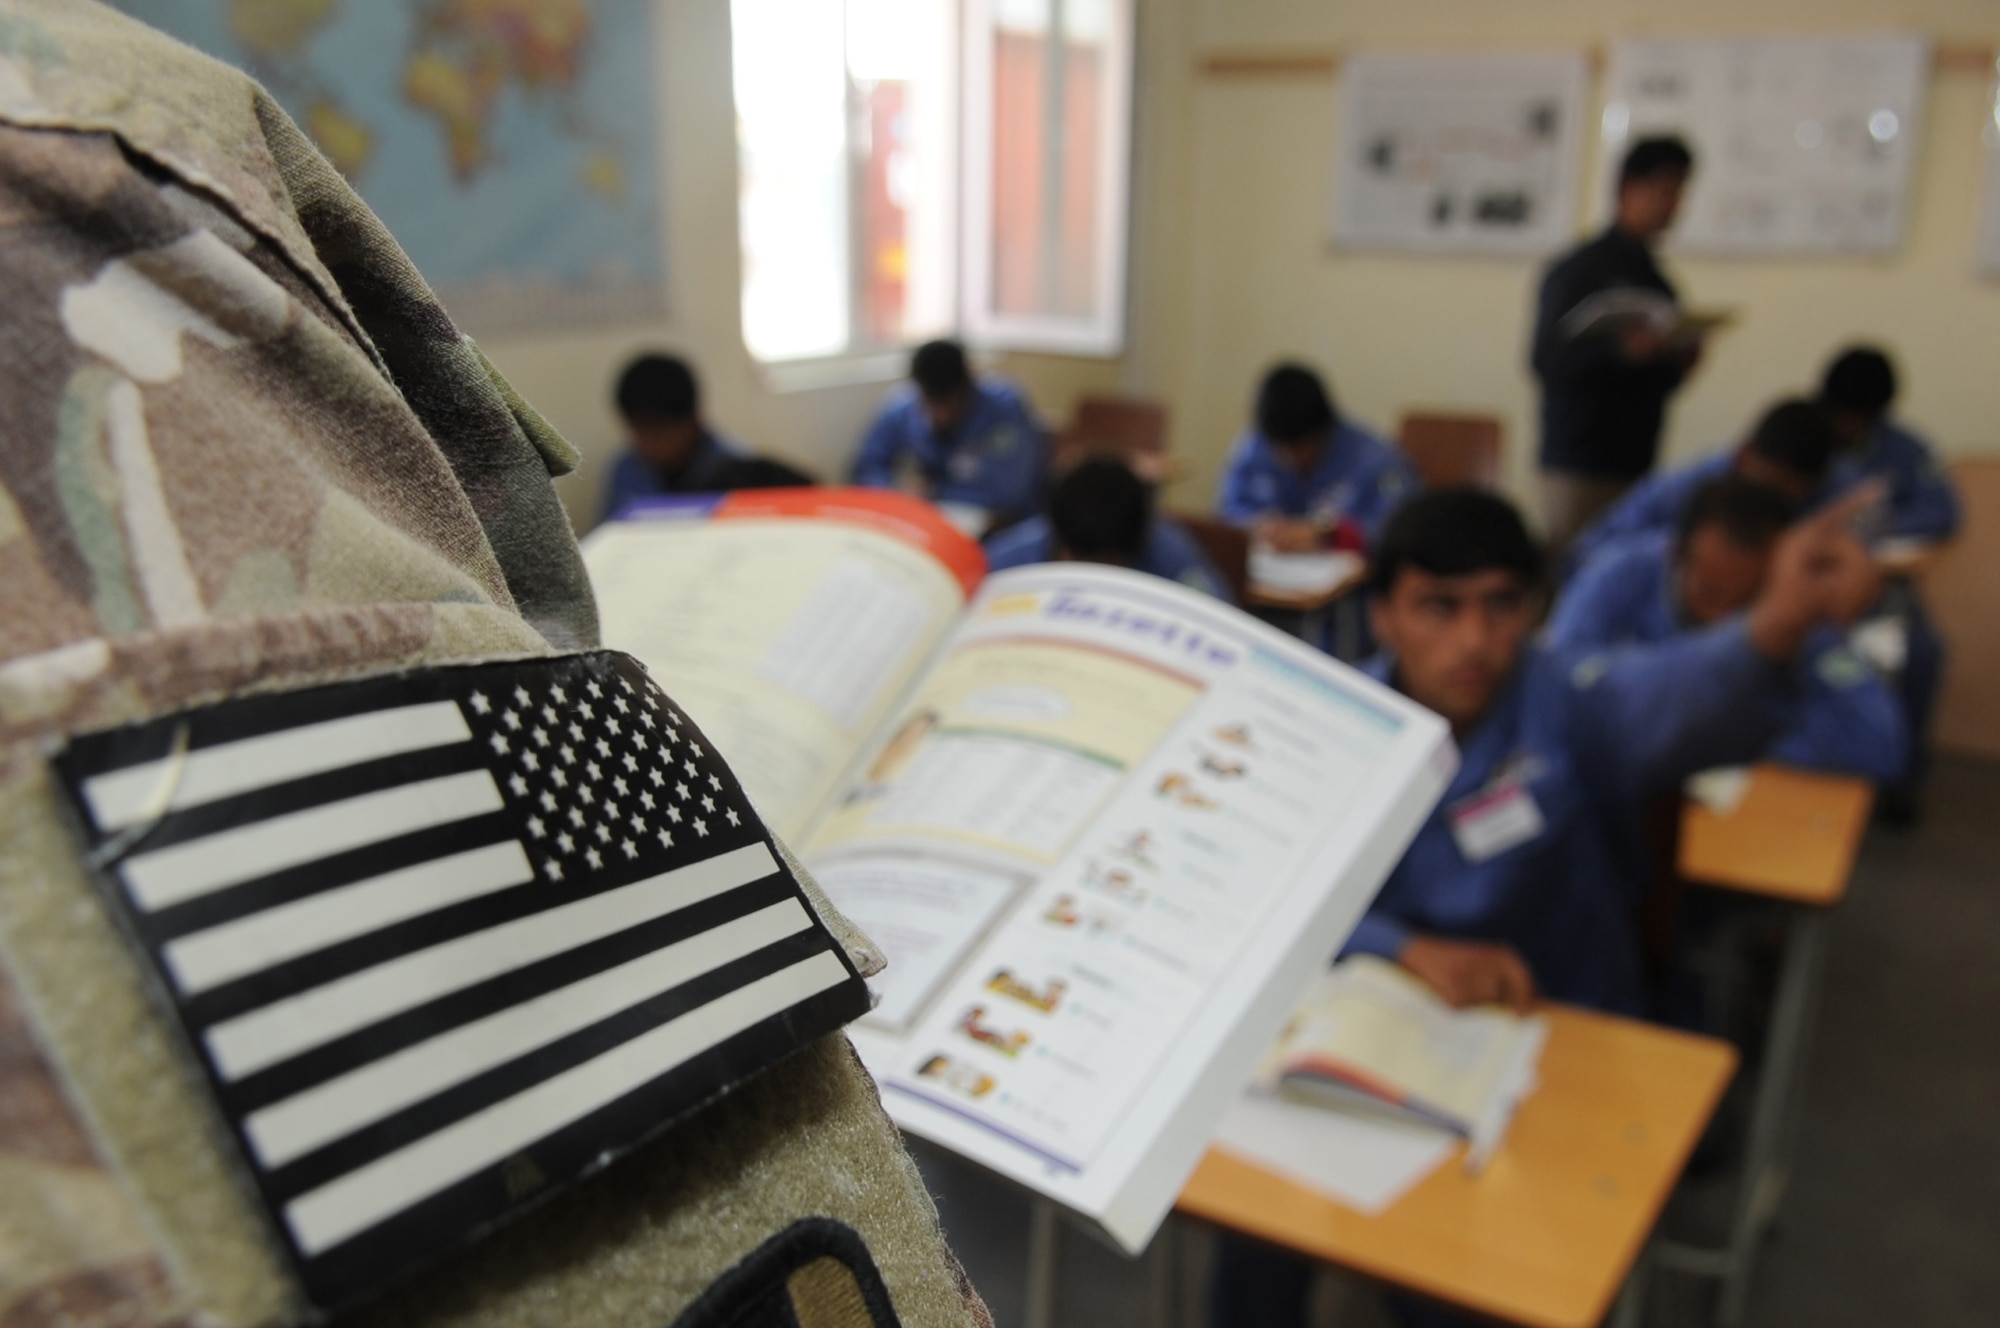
(1457, 153)
(1803, 145)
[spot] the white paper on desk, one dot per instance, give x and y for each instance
(1722, 789)
(1361, 1160)
(1302, 573)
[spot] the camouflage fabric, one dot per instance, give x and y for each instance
(242, 447)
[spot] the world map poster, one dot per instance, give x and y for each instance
(511, 146)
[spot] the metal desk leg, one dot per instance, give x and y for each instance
(1766, 1164)
(1629, 1310)
(1044, 1236)
(1163, 1260)
(1347, 627)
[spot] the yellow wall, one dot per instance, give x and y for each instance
(1241, 274)
(1231, 269)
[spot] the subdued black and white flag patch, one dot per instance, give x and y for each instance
(446, 940)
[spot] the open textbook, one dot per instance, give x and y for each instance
(1370, 1036)
(1104, 828)
(1610, 311)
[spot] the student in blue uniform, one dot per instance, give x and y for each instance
(1791, 449)
(1303, 477)
(670, 448)
(1922, 506)
(1857, 390)
(1100, 512)
(954, 438)
(1653, 588)
(1514, 886)
(1605, 384)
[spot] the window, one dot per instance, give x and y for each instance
(917, 168)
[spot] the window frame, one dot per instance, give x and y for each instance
(1099, 334)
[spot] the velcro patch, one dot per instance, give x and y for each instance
(447, 940)
(816, 1273)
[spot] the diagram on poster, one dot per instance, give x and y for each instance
(1803, 145)
(1458, 153)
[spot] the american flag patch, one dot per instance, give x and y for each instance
(446, 940)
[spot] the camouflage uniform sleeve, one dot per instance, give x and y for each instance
(245, 449)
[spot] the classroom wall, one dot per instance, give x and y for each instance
(1238, 271)
(1231, 270)
(568, 375)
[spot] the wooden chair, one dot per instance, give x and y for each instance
(1130, 428)
(1452, 449)
(1964, 594)
(1226, 546)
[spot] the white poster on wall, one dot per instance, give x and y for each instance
(1803, 145)
(1449, 153)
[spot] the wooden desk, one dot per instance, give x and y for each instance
(1546, 1235)
(1794, 837)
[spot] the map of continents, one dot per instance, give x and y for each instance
(510, 145)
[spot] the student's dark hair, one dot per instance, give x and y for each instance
(1454, 532)
(1101, 509)
(760, 473)
(1860, 379)
(1752, 515)
(1798, 435)
(1662, 154)
(939, 369)
(658, 389)
(1293, 403)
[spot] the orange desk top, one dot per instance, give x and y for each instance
(1543, 1237)
(1793, 837)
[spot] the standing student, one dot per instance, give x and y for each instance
(669, 447)
(1790, 449)
(1605, 383)
(1656, 587)
(952, 437)
(1515, 885)
(1100, 512)
(1302, 474)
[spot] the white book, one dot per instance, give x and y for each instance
(1104, 828)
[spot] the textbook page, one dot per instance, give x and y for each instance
(1104, 844)
(786, 622)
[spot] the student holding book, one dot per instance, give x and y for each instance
(1100, 512)
(1606, 380)
(1514, 886)
(1654, 588)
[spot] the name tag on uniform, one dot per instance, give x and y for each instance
(1489, 823)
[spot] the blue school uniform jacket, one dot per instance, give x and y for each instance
(1170, 552)
(1585, 735)
(1922, 502)
(1849, 722)
(633, 477)
(993, 459)
(1358, 476)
